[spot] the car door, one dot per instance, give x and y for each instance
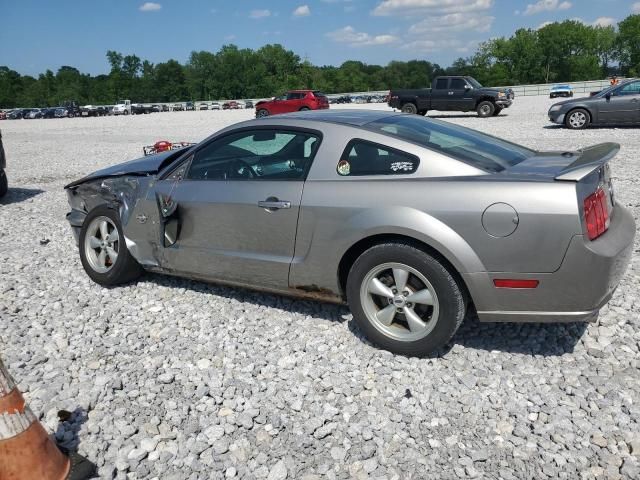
(622, 106)
(294, 101)
(232, 215)
(460, 95)
(440, 94)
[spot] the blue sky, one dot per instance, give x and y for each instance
(37, 35)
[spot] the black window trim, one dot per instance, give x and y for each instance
(282, 128)
(347, 150)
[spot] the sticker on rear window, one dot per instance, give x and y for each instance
(401, 166)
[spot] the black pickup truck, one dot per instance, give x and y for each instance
(452, 93)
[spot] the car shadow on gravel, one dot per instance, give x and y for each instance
(468, 115)
(324, 310)
(17, 195)
(547, 339)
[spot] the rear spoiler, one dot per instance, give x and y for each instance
(589, 159)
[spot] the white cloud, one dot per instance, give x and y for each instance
(429, 7)
(604, 22)
(429, 46)
(453, 22)
(302, 11)
(635, 8)
(543, 24)
(259, 14)
(598, 22)
(150, 7)
(547, 6)
(353, 38)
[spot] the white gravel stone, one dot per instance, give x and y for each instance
(281, 387)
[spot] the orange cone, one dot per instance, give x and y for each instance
(26, 451)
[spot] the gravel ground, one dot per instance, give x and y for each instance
(175, 379)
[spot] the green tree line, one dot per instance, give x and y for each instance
(558, 52)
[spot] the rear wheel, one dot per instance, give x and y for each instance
(409, 108)
(403, 299)
(577, 119)
(485, 109)
(262, 113)
(103, 250)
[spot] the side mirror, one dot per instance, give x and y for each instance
(468, 87)
(171, 231)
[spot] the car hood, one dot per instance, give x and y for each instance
(141, 166)
(576, 100)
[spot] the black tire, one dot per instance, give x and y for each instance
(304, 109)
(485, 109)
(409, 108)
(4, 183)
(70, 115)
(577, 119)
(126, 112)
(262, 113)
(126, 268)
(450, 297)
(423, 112)
(497, 111)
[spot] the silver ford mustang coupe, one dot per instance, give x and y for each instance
(409, 220)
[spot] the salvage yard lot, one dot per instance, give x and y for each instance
(172, 378)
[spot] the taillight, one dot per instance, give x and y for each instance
(596, 215)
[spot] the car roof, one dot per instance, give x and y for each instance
(356, 118)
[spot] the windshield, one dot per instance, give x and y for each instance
(474, 83)
(482, 151)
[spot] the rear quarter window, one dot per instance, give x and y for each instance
(361, 157)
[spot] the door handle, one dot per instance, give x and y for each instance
(274, 204)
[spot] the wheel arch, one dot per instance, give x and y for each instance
(358, 248)
(485, 98)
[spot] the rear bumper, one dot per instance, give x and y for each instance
(587, 278)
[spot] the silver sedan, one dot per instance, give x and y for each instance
(411, 221)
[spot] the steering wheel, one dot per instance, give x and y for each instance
(240, 168)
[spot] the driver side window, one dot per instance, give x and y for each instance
(264, 154)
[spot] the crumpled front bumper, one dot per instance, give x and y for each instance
(504, 103)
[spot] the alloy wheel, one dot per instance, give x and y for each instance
(399, 301)
(102, 244)
(577, 119)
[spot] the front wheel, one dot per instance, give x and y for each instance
(409, 108)
(4, 183)
(485, 109)
(577, 119)
(304, 109)
(103, 250)
(404, 300)
(262, 113)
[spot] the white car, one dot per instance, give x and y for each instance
(216, 106)
(123, 107)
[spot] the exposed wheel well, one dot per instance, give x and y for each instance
(361, 246)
